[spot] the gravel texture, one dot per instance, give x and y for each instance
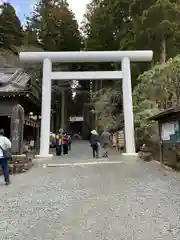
(125, 201)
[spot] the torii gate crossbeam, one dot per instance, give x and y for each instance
(125, 57)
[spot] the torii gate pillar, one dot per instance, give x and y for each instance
(102, 56)
(128, 106)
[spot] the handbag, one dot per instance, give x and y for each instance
(6, 153)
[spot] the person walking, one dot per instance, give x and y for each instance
(95, 143)
(65, 144)
(5, 146)
(105, 142)
(69, 142)
(58, 144)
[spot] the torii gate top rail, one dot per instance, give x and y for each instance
(89, 56)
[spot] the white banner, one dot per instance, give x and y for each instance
(76, 119)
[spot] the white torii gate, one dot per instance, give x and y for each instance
(125, 57)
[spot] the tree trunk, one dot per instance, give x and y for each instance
(91, 90)
(95, 86)
(95, 115)
(163, 50)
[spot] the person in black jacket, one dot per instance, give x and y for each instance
(95, 142)
(58, 144)
(69, 142)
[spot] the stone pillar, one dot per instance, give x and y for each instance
(128, 107)
(17, 129)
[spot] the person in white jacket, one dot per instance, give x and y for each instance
(5, 146)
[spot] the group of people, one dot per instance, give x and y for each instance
(63, 146)
(97, 142)
(63, 143)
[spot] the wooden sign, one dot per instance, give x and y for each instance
(76, 119)
(121, 138)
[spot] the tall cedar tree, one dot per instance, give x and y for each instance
(55, 26)
(11, 33)
(156, 26)
(134, 25)
(30, 36)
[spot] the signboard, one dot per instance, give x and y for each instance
(167, 130)
(76, 119)
(170, 131)
(121, 138)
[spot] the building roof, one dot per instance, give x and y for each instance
(16, 83)
(13, 80)
(166, 113)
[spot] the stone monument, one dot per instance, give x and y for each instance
(17, 129)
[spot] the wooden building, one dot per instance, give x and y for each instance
(169, 136)
(17, 88)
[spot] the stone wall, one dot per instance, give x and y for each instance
(19, 164)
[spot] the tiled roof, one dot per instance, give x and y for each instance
(13, 80)
(166, 113)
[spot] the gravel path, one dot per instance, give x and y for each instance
(124, 201)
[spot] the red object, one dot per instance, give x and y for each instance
(65, 140)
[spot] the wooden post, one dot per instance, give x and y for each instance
(161, 145)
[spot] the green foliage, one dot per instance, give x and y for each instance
(34, 70)
(156, 26)
(100, 35)
(8, 58)
(160, 84)
(11, 34)
(51, 26)
(158, 89)
(108, 25)
(30, 36)
(107, 103)
(134, 24)
(138, 25)
(55, 26)
(145, 129)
